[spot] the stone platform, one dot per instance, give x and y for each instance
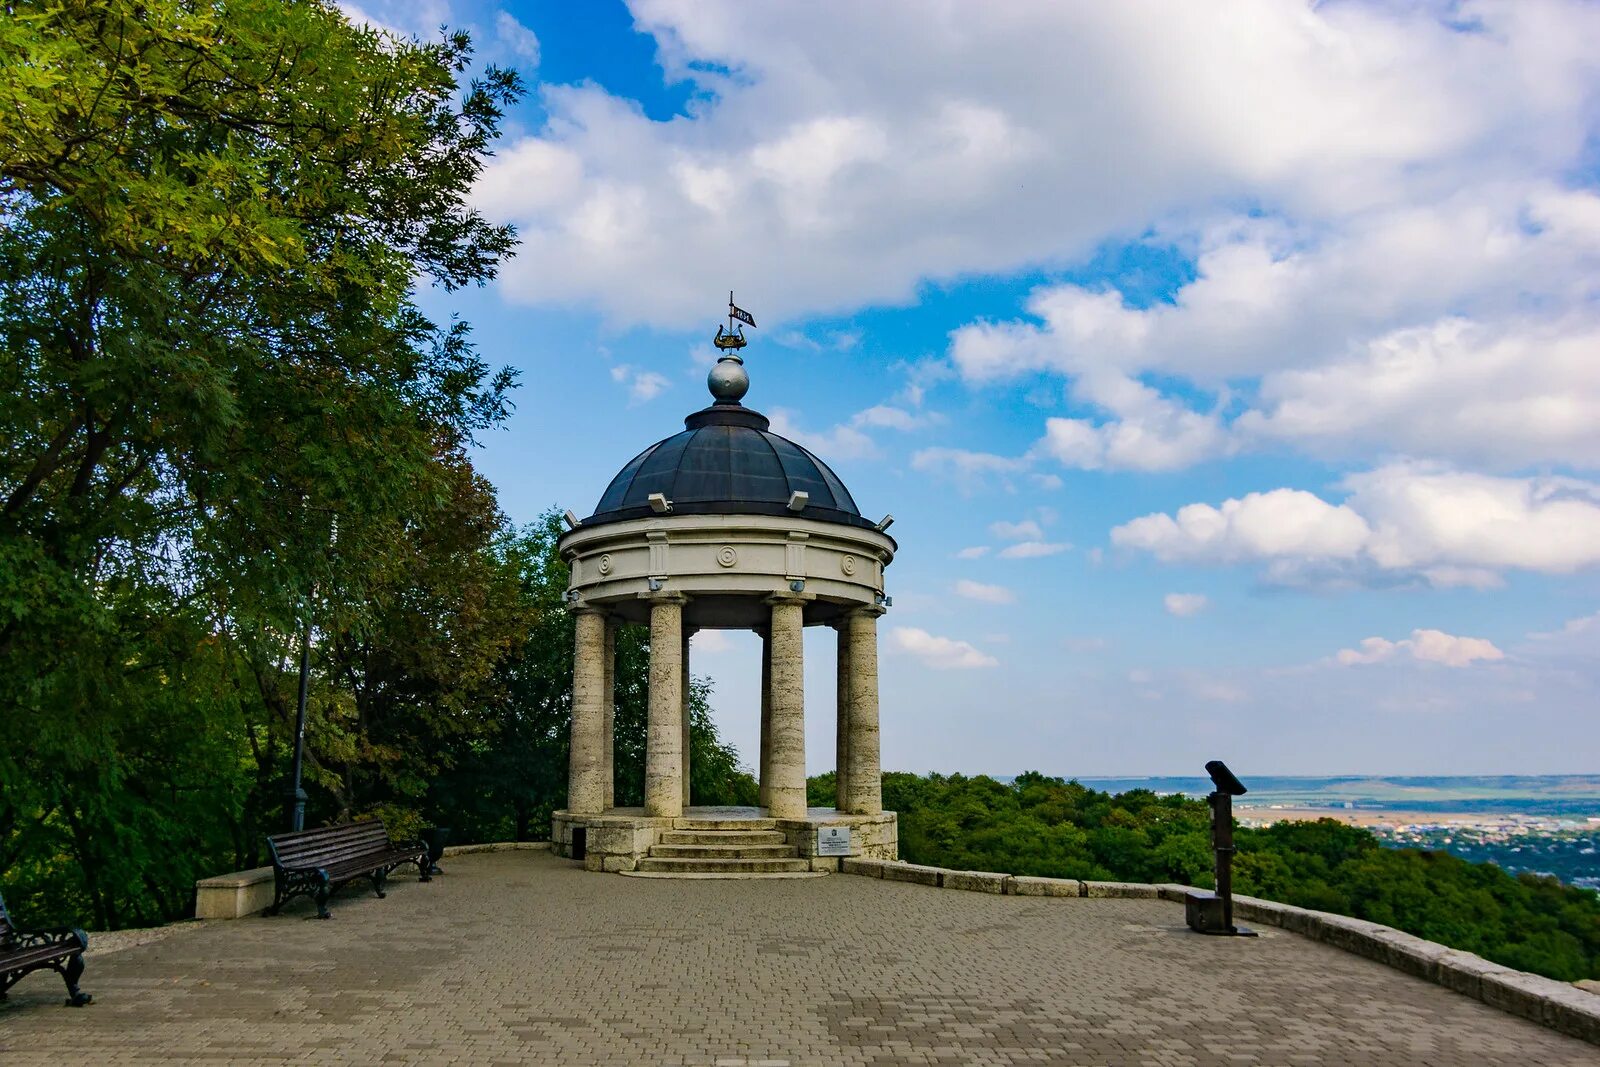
(522, 957)
(617, 839)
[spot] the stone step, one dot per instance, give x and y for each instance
(741, 875)
(681, 866)
(723, 837)
(726, 824)
(724, 852)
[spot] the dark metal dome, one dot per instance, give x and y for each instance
(726, 462)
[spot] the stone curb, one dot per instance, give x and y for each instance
(496, 846)
(1559, 1005)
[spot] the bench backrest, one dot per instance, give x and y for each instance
(328, 844)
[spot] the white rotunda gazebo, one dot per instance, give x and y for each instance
(725, 526)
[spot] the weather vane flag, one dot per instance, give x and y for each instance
(732, 339)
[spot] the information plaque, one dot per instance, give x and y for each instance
(833, 841)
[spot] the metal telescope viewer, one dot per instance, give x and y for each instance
(1212, 913)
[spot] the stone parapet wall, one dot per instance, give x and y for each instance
(240, 893)
(1558, 1005)
(871, 836)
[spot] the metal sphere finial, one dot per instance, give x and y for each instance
(728, 380)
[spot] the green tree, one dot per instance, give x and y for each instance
(211, 219)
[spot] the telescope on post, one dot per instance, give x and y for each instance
(1212, 913)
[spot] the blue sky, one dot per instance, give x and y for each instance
(1233, 374)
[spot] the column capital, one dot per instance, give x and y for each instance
(665, 596)
(580, 608)
(874, 610)
(788, 597)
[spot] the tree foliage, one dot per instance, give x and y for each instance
(228, 428)
(1046, 826)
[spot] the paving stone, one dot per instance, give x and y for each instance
(523, 957)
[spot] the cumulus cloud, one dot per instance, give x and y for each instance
(1399, 521)
(852, 183)
(973, 552)
(1185, 604)
(711, 641)
(988, 594)
(1033, 549)
(1426, 646)
(969, 470)
(517, 38)
(1026, 530)
(1400, 330)
(842, 441)
(849, 439)
(939, 653)
(642, 385)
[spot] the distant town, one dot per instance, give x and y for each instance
(1538, 824)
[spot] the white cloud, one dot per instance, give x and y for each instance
(517, 38)
(988, 594)
(839, 442)
(1460, 329)
(1033, 549)
(939, 653)
(1507, 395)
(1427, 646)
(851, 182)
(973, 552)
(642, 385)
(893, 418)
(1026, 530)
(1185, 604)
(1398, 522)
(969, 470)
(711, 642)
(847, 440)
(1280, 523)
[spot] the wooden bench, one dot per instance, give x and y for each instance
(60, 950)
(316, 862)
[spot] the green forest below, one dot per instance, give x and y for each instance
(1055, 828)
(234, 440)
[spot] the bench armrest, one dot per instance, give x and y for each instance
(65, 936)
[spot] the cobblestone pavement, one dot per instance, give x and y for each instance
(519, 957)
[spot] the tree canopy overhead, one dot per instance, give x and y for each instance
(224, 415)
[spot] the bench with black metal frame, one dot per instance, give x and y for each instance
(316, 862)
(25, 951)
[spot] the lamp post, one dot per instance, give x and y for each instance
(295, 793)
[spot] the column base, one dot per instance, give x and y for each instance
(616, 839)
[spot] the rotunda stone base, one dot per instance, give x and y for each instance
(616, 839)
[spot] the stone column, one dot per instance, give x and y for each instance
(687, 633)
(866, 774)
(786, 796)
(663, 758)
(841, 776)
(608, 721)
(585, 790)
(764, 770)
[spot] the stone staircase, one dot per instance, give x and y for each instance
(724, 848)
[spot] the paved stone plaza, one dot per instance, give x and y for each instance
(522, 957)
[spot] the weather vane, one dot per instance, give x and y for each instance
(732, 339)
